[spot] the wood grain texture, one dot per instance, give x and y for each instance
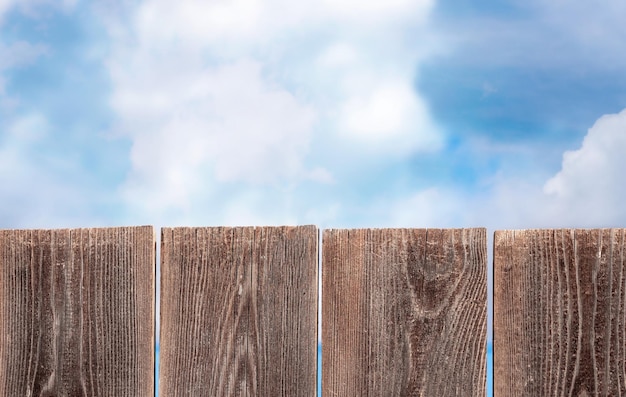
(238, 311)
(404, 312)
(559, 313)
(77, 312)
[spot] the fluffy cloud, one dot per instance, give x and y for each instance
(201, 125)
(589, 187)
(251, 22)
(219, 93)
(587, 191)
(391, 117)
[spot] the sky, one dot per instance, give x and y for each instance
(419, 113)
(339, 113)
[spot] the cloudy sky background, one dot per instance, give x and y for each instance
(340, 113)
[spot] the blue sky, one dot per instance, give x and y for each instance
(338, 113)
(420, 113)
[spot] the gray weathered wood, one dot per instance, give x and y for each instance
(238, 311)
(559, 313)
(404, 312)
(77, 312)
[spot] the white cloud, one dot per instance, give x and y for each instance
(194, 126)
(225, 92)
(338, 55)
(259, 21)
(378, 10)
(589, 187)
(588, 191)
(390, 115)
(197, 20)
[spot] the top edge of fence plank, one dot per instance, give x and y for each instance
(97, 228)
(178, 229)
(532, 230)
(501, 236)
(244, 227)
(407, 228)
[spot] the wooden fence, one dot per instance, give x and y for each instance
(77, 312)
(238, 311)
(404, 312)
(560, 313)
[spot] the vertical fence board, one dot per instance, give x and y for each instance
(77, 312)
(559, 312)
(404, 312)
(238, 311)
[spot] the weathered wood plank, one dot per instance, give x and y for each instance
(238, 311)
(77, 312)
(559, 313)
(404, 312)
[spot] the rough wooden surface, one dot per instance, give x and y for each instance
(559, 313)
(77, 312)
(238, 311)
(404, 312)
